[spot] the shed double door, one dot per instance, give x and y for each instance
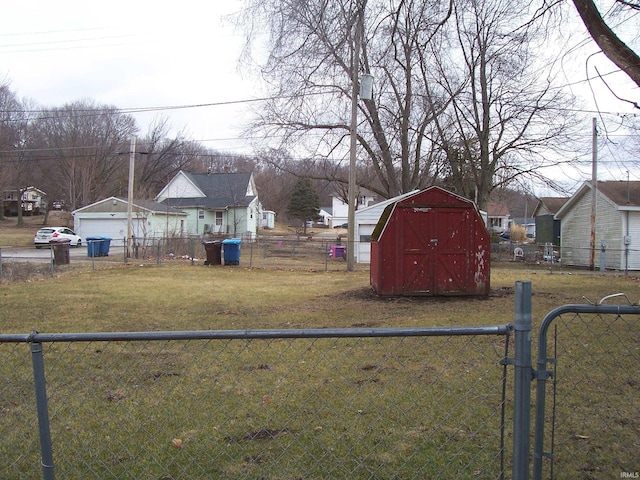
(435, 244)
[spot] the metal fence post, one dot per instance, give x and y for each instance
(522, 382)
(43, 411)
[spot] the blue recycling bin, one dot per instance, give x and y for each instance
(231, 249)
(105, 243)
(98, 246)
(93, 247)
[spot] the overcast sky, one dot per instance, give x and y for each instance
(130, 54)
(139, 54)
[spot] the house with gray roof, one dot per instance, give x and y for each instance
(617, 226)
(224, 204)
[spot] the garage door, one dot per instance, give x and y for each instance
(114, 228)
(364, 243)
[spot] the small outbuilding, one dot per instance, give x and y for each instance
(431, 243)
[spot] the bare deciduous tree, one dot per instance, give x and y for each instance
(455, 93)
(505, 120)
(84, 147)
(10, 115)
(309, 64)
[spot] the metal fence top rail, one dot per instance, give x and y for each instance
(35, 337)
(599, 309)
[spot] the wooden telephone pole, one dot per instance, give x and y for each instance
(594, 193)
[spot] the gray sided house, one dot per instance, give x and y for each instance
(617, 226)
(109, 218)
(224, 204)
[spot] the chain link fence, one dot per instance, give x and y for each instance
(290, 252)
(588, 393)
(355, 403)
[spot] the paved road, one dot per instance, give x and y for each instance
(44, 255)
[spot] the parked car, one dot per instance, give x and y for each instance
(45, 235)
(506, 235)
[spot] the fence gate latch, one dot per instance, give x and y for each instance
(512, 361)
(542, 374)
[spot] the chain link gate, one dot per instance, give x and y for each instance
(589, 360)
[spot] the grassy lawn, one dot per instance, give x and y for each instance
(272, 409)
(134, 297)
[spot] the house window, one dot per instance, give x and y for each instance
(219, 219)
(200, 214)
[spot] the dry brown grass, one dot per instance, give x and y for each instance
(141, 297)
(518, 233)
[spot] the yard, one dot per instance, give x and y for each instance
(274, 408)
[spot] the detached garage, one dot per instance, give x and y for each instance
(366, 220)
(431, 243)
(108, 218)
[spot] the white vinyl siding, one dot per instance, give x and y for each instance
(576, 233)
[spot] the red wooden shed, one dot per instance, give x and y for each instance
(431, 243)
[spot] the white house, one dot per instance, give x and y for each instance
(340, 208)
(268, 219)
(215, 203)
(617, 226)
(32, 202)
(498, 217)
(325, 216)
(366, 220)
(109, 218)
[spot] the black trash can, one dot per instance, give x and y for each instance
(61, 254)
(213, 250)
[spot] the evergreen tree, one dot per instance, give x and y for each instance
(304, 203)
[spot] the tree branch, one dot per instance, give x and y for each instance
(614, 48)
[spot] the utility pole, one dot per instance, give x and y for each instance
(353, 134)
(594, 192)
(132, 164)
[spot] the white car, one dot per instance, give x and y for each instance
(45, 235)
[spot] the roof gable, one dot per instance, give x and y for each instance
(497, 209)
(623, 195)
(210, 190)
(549, 205)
